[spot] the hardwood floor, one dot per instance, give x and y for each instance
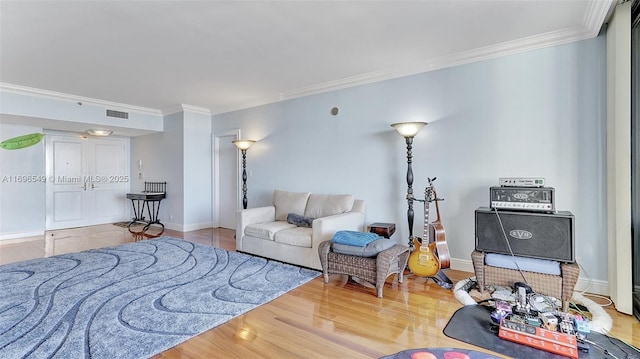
(341, 319)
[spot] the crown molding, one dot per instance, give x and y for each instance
(31, 91)
(535, 42)
(595, 16)
(598, 13)
(186, 108)
(255, 103)
(196, 109)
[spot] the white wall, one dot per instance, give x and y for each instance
(540, 113)
(26, 110)
(619, 158)
(181, 156)
(162, 161)
(65, 110)
(22, 209)
(197, 170)
(154, 168)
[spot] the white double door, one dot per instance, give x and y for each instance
(87, 180)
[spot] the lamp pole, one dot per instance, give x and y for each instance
(244, 179)
(410, 212)
(408, 130)
(243, 146)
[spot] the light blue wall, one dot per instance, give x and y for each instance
(182, 157)
(539, 113)
(154, 167)
(171, 160)
(197, 170)
(22, 209)
(70, 111)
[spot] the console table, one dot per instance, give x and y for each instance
(147, 201)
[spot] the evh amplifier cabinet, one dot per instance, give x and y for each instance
(530, 234)
(538, 199)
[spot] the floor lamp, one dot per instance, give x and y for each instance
(243, 146)
(408, 130)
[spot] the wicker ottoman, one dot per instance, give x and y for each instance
(558, 286)
(374, 270)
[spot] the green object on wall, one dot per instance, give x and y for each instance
(24, 141)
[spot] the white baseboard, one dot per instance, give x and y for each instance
(462, 265)
(584, 284)
(196, 226)
(173, 226)
(597, 286)
(7, 236)
(187, 227)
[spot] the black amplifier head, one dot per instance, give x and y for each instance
(540, 199)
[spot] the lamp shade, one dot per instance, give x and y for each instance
(408, 129)
(243, 144)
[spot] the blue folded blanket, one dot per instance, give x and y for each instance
(353, 238)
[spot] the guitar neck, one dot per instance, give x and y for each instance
(426, 220)
(437, 210)
(435, 197)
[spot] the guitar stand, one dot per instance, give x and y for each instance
(442, 280)
(423, 200)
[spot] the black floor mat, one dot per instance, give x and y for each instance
(471, 324)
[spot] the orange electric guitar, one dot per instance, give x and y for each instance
(423, 260)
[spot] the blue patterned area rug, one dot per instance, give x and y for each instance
(131, 301)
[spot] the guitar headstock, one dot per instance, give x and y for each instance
(429, 191)
(432, 192)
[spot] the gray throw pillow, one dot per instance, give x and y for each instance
(300, 221)
(370, 250)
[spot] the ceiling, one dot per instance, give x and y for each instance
(228, 55)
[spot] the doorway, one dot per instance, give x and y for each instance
(225, 181)
(87, 180)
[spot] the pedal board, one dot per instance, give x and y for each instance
(539, 338)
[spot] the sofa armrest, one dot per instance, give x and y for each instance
(249, 216)
(325, 227)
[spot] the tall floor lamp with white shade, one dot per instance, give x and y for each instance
(243, 146)
(409, 130)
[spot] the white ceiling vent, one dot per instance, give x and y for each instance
(117, 114)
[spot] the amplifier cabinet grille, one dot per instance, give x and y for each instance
(536, 235)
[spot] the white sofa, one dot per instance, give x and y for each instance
(264, 231)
